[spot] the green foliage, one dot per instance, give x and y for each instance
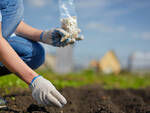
(124, 80)
(10, 81)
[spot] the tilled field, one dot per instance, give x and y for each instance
(87, 99)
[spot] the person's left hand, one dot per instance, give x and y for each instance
(54, 37)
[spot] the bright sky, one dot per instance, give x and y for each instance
(121, 25)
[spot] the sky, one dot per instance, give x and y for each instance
(119, 25)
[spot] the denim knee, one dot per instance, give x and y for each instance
(35, 57)
(31, 52)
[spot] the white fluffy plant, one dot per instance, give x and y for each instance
(68, 20)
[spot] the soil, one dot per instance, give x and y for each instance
(87, 99)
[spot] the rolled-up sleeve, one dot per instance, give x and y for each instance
(12, 14)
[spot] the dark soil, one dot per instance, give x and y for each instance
(87, 99)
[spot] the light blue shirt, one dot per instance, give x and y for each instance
(13, 15)
(0, 17)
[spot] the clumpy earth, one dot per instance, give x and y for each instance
(87, 99)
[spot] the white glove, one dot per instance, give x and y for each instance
(54, 37)
(45, 93)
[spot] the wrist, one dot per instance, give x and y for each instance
(34, 79)
(41, 36)
(29, 77)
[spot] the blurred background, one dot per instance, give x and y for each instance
(119, 25)
(117, 43)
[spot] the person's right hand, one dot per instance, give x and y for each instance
(45, 93)
(54, 37)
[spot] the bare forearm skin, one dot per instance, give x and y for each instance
(29, 32)
(13, 62)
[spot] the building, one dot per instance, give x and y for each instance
(110, 63)
(64, 60)
(139, 62)
(61, 62)
(94, 64)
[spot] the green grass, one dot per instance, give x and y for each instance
(124, 80)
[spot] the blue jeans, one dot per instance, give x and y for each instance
(32, 53)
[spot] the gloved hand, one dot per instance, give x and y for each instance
(45, 93)
(54, 37)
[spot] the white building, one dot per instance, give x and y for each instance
(64, 60)
(139, 62)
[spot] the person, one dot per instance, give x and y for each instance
(20, 52)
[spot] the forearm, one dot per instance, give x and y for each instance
(28, 32)
(56, 37)
(13, 62)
